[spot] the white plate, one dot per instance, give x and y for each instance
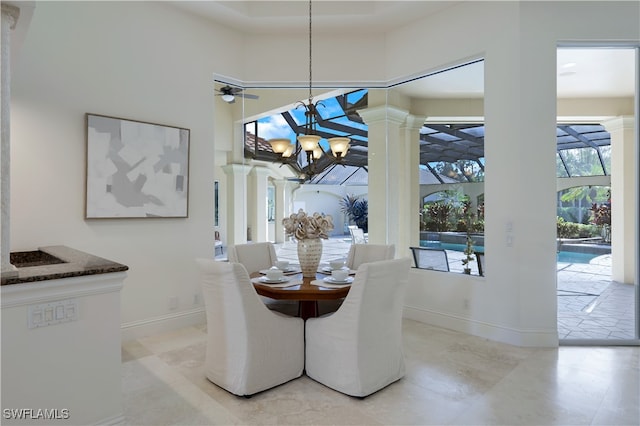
(277, 281)
(289, 270)
(332, 280)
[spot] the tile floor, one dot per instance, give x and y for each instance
(590, 305)
(452, 378)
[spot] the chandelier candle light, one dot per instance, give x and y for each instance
(308, 230)
(309, 141)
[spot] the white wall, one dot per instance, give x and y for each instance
(326, 199)
(516, 302)
(157, 66)
(136, 60)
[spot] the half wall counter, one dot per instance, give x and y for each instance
(61, 338)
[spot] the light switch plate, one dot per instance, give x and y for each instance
(52, 313)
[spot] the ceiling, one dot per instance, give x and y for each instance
(596, 72)
(581, 72)
(282, 17)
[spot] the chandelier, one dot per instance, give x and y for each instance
(309, 140)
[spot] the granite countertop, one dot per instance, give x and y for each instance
(55, 262)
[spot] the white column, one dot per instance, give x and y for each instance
(10, 16)
(624, 193)
(258, 220)
(284, 206)
(384, 159)
(236, 202)
(409, 233)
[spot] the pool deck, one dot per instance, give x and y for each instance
(590, 304)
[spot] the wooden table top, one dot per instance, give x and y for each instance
(304, 291)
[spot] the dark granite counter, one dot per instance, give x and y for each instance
(55, 262)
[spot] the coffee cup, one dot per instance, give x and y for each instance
(282, 264)
(336, 264)
(339, 274)
(274, 274)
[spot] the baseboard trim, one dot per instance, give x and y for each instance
(496, 332)
(147, 327)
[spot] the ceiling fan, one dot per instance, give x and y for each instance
(229, 94)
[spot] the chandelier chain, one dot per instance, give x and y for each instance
(310, 56)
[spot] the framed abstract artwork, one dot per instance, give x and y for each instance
(136, 169)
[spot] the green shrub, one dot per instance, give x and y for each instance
(575, 230)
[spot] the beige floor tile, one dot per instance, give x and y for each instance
(452, 378)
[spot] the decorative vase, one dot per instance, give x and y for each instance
(309, 254)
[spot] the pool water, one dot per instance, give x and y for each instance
(563, 256)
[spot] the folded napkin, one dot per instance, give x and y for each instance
(322, 283)
(285, 284)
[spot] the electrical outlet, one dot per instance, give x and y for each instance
(196, 298)
(465, 304)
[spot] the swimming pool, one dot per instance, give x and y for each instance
(563, 256)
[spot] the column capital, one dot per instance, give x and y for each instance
(624, 122)
(236, 169)
(383, 114)
(414, 122)
(260, 171)
(285, 183)
(11, 11)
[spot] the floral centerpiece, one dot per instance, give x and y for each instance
(302, 226)
(308, 230)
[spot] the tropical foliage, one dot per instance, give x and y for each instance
(575, 230)
(452, 212)
(357, 209)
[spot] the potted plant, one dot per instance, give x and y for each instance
(469, 255)
(468, 250)
(357, 209)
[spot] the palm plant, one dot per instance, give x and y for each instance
(357, 210)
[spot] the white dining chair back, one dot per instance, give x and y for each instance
(358, 349)
(362, 253)
(249, 348)
(256, 257)
(253, 256)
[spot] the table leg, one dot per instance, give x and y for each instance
(308, 309)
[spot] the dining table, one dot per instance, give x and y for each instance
(306, 290)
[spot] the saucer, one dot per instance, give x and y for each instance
(276, 281)
(332, 280)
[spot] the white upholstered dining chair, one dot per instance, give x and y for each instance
(362, 253)
(359, 254)
(249, 348)
(358, 349)
(257, 257)
(253, 256)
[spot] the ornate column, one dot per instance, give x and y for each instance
(624, 193)
(236, 202)
(10, 16)
(385, 164)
